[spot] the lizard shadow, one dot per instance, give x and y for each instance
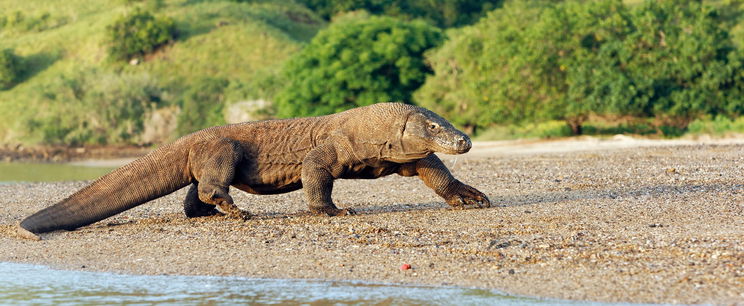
(362, 211)
(538, 198)
(588, 194)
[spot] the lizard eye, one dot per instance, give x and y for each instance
(433, 126)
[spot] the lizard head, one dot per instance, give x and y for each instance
(426, 132)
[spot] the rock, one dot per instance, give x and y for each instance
(161, 124)
(247, 111)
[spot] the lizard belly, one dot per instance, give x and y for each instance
(273, 180)
(268, 189)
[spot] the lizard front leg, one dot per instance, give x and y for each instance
(436, 176)
(318, 170)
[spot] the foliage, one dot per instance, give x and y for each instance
(92, 106)
(442, 13)
(719, 125)
(528, 62)
(357, 62)
(22, 22)
(244, 43)
(10, 68)
(202, 106)
(138, 33)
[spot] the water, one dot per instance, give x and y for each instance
(46, 172)
(32, 284)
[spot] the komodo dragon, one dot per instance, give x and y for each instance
(271, 157)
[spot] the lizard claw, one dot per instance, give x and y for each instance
(468, 196)
(333, 211)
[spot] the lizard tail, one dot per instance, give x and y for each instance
(154, 175)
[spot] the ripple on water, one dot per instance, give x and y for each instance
(32, 284)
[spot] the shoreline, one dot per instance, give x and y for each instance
(119, 155)
(645, 224)
(244, 290)
(69, 154)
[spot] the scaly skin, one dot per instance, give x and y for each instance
(275, 156)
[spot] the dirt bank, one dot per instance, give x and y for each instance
(654, 224)
(17, 152)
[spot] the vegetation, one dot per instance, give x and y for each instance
(498, 68)
(672, 60)
(10, 68)
(18, 21)
(95, 107)
(243, 43)
(357, 62)
(442, 13)
(202, 106)
(139, 33)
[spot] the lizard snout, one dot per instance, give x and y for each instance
(463, 144)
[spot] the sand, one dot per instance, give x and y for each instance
(616, 220)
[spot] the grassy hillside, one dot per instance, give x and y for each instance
(68, 80)
(226, 51)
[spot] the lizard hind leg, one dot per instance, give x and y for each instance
(218, 196)
(213, 164)
(193, 207)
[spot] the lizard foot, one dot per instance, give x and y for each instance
(193, 207)
(232, 211)
(204, 210)
(332, 211)
(467, 196)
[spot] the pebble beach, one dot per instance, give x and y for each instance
(615, 220)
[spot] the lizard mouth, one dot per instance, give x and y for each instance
(460, 145)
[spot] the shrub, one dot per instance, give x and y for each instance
(202, 105)
(671, 60)
(442, 13)
(138, 33)
(10, 68)
(94, 107)
(357, 62)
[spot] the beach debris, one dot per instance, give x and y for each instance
(404, 267)
(496, 245)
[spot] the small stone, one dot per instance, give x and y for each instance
(404, 267)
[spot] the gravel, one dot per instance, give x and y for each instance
(647, 223)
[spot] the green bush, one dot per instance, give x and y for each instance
(442, 13)
(138, 33)
(202, 105)
(10, 69)
(357, 62)
(94, 107)
(718, 126)
(672, 60)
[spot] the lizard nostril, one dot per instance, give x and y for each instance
(463, 143)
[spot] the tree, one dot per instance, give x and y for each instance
(442, 13)
(682, 61)
(357, 62)
(533, 61)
